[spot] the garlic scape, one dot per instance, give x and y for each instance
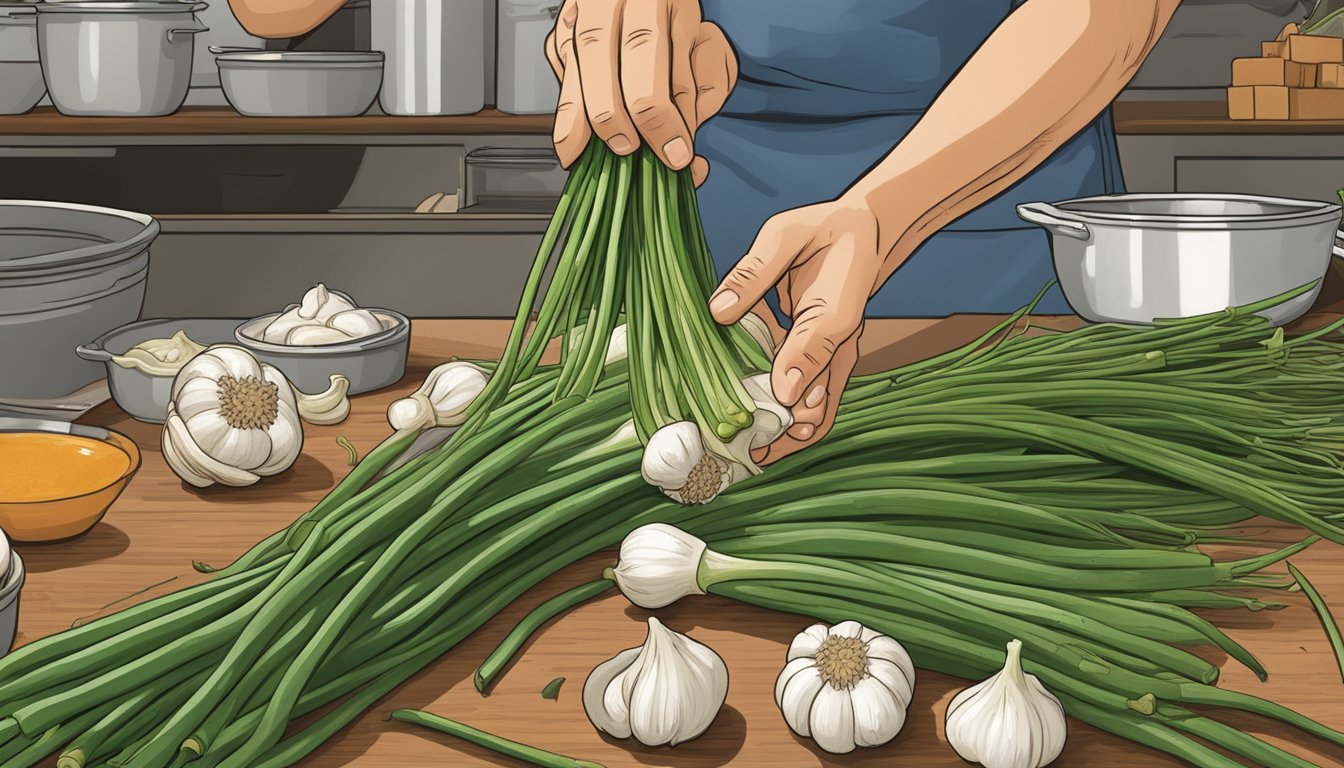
(693, 468)
(1007, 721)
(666, 691)
(231, 420)
(845, 686)
(442, 400)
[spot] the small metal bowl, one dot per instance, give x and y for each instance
(11, 584)
(1142, 257)
(371, 362)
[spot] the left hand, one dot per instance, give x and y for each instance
(826, 260)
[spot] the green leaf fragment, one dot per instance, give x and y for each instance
(552, 689)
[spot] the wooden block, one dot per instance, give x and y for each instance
(1274, 49)
(1288, 29)
(1316, 104)
(1315, 49)
(1330, 75)
(1261, 71)
(1257, 102)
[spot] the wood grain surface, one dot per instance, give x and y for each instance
(159, 526)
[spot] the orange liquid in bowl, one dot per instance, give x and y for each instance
(41, 466)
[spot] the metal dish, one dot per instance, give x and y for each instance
(11, 584)
(1138, 258)
(21, 84)
(141, 64)
(67, 273)
(370, 363)
(145, 396)
(300, 83)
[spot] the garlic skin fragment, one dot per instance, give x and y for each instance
(1007, 721)
(845, 686)
(666, 691)
(658, 565)
(757, 329)
(231, 420)
(325, 408)
(442, 400)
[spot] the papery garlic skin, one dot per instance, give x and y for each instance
(677, 461)
(757, 329)
(442, 400)
(769, 421)
(667, 691)
(231, 420)
(658, 565)
(1007, 721)
(845, 686)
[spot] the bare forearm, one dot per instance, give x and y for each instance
(1043, 75)
(282, 18)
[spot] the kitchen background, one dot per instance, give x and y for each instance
(256, 210)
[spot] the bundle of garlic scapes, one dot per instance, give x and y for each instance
(233, 420)
(323, 317)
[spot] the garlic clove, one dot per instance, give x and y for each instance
(276, 330)
(894, 676)
(658, 565)
(878, 714)
(315, 335)
(883, 648)
(679, 673)
(414, 412)
(610, 718)
(312, 301)
(334, 305)
(356, 323)
(807, 642)
(792, 668)
(194, 465)
(286, 439)
(242, 448)
(283, 389)
(846, 629)
(207, 428)
(325, 408)
(235, 361)
(1009, 720)
(196, 396)
(452, 388)
(800, 691)
(832, 720)
(675, 460)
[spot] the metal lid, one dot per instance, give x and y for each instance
(113, 6)
(302, 58)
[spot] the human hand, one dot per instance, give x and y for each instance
(827, 262)
(652, 71)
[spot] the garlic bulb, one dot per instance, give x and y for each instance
(658, 565)
(1007, 721)
(666, 691)
(231, 420)
(322, 317)
(443, 400)
(160, 357)
(677, 459)
(845, 687)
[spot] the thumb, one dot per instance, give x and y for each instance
(770, 256)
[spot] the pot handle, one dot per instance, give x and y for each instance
(173, 33)
(220, 49)
(93, 352)
(1053, 219)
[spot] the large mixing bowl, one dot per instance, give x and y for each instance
(1138, 258)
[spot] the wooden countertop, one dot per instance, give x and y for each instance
(159, 526)
(1131, 118)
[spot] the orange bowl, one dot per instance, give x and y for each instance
(60, 478)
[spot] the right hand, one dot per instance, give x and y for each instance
(652, 71)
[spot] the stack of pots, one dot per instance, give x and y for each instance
(112, 58)
(21, 85)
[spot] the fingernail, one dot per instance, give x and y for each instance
(620, 144)
(677, 153)
(793, 384)
(801, 431)
(723, 301)
(815, 397)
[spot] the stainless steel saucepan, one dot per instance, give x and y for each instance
(1137, 258)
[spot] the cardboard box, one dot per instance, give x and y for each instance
(1274, 49)
(1330, 75)
(1316, 104)
(1261, 71)
(1288, 29)
(1258, 102)
(1315, 49)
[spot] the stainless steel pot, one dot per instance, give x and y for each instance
(1138, 258)
(524, 83)
(435, 55)
(117, 58)
(67, 273)
(21, 84)
(300, 83)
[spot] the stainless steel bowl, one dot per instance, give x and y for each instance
(21, 84)
(1138, 258)
(370, 363)
(11, 584)
(301, 83)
